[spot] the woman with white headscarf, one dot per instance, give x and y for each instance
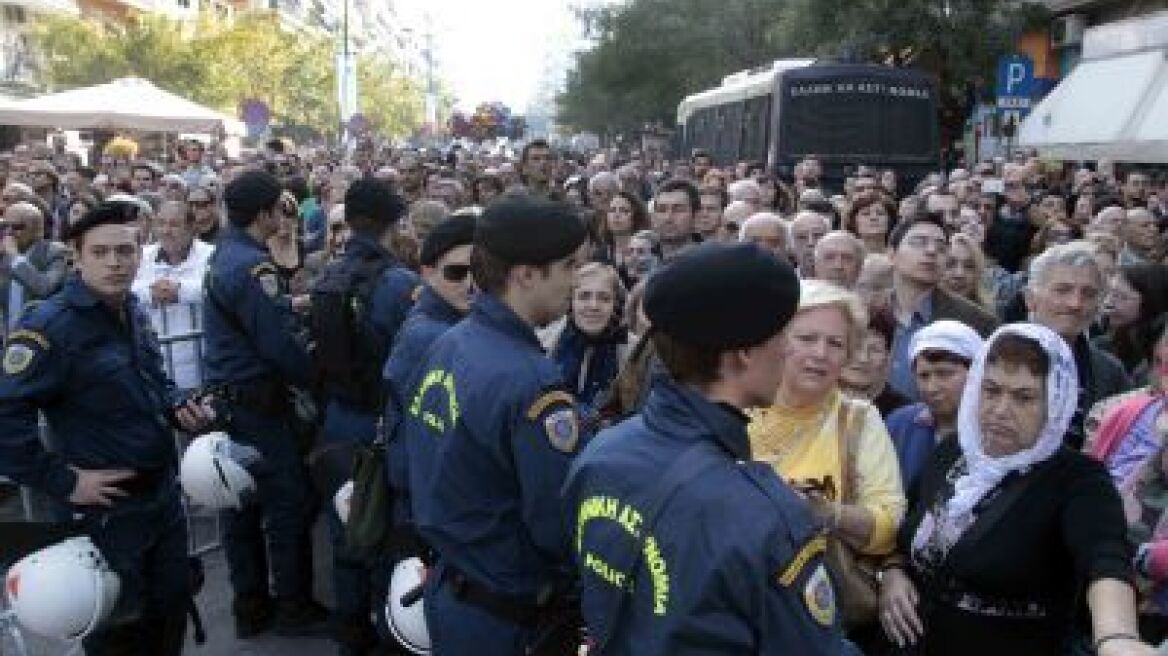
(1012, 531)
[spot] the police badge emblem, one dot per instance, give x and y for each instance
(819, 596)
(563, 430)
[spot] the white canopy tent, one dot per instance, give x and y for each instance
(125, 104)
(1114, 104)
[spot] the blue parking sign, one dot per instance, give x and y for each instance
(1015, 88)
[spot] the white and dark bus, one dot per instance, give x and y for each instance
(844, 114)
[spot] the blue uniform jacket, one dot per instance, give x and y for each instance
(389, 305)
(248, 324)
(490, 433)
(431, 317)
(734, 563)
(100, 383)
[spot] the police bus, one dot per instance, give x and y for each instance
(845, 114)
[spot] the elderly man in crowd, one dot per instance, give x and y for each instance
(170, 283)
(838, 258)
(874, 285)
(31, 267)
(733, 217)
(1064, 294)
(807, 228)
(747, 191)
(768, 231)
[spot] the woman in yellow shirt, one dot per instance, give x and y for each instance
(800, 435)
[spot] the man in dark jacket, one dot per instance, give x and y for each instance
(918, 246)
(1064, 293)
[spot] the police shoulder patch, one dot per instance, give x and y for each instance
(269, 278)
(819, 596)
(22, 349)
(415, 294)
(563, 429)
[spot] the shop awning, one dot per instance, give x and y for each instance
(1109, 108)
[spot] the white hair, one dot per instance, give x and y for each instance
(603, 178)
(848, 238)
(741, 189)
(812, 214)
(761, 219)
(1078, 254)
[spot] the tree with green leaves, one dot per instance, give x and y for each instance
(221, 64)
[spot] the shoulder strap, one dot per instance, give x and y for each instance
(694, 461)
(848, 429)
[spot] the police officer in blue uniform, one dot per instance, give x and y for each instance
(490, 434)
(358, 304)
(88, 358)
(683, 545)
(252, 355)
(443, 301)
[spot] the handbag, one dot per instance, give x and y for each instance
(855, 575)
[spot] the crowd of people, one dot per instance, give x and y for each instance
(691, 407)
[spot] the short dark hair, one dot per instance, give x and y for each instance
(250, 193)
(531, 145)
(371, 206)
(684, 362)
(108, 213)
(695, 198)
(936, 356)
(902, 228)
(298, 186)
(490, 271)
(1014, 350)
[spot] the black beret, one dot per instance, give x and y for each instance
(524, 229)
(115, 212)
(251, 192)
(450, 233)
(722, 296)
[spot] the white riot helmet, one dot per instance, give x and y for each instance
(407, 623)
(63, 591)
(214, 471)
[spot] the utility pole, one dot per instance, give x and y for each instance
(346, 76)
(431, 88)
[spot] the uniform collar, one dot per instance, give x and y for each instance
(492, 311)
(237, 234)
(78, 294)
(682, 413)
(361, 246)
(436, 307)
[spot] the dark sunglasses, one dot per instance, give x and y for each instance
(455, 272)
(13, 227)
(199, 203)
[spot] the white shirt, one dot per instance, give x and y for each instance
(182, 356)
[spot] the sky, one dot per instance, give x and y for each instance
(498, 49)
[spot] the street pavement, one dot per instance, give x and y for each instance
(214, 605)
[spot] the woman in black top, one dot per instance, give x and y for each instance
(1012, 531)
